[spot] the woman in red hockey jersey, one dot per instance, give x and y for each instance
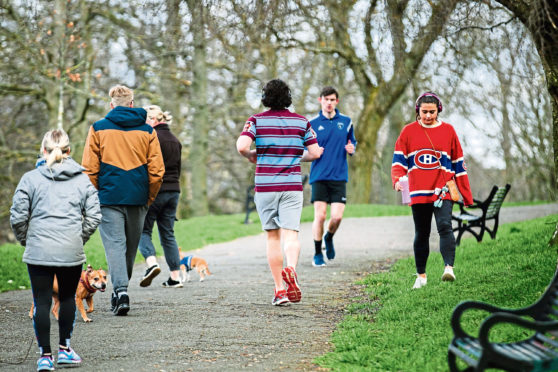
(429, 153)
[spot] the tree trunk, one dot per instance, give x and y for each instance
(199, 153)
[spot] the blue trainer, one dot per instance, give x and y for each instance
(68, 357)
(318, 260)
(45, 363)
(330, 251)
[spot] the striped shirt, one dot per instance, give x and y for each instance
(280, 137)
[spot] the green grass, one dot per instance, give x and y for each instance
(191, 234)
(393, 328)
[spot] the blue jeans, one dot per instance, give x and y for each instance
(422, 216)
(120, 232)
(163, 210)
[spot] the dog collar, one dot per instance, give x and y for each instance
(84, 279)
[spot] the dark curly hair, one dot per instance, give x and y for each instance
(276, 95)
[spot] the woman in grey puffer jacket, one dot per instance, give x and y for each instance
(54, 212)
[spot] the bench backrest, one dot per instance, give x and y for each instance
(497, 200)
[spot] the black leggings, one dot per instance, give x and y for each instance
(422, 215)
(42, 278)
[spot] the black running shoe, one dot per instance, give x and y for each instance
(172, 284)
(113, 300)
(150, 273)
(122, 305)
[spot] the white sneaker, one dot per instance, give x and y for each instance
(420, 282)
(448, 275)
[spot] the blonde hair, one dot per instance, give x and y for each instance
(121, 95)
(155, 112)
(57, 145)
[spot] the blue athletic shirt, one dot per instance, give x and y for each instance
(333, 134)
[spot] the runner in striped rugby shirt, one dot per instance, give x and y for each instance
(280, 136)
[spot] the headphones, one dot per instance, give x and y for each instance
(428, 94)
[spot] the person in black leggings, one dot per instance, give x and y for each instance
(55, 210)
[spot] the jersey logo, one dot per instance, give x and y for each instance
(321, 128)
(247, 126)
(427, 159)
(339, 125)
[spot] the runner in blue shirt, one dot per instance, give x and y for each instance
(329, 174)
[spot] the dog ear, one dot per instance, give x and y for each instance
(89, 268)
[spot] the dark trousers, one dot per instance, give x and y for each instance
(42, 278)
(422, 216)
(163, 210)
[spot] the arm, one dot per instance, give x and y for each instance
(399, 165)
(314, 152)
(91, 159)
(91, 212)
(350, 147)
(155, 167)
(460, 169)
(243, 147)
(20, 212)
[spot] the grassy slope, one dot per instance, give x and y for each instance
(394, 328)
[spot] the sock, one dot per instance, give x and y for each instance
(328, 236)
(45, 351)
(318, 246)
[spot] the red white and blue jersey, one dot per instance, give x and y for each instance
(280, 137)
(428, 169)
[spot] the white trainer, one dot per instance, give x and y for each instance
(448, 275)
(420, 282)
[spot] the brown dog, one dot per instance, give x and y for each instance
(90, 282)
(189, 263)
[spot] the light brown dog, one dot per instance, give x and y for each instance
(90, 282)
(189, 263)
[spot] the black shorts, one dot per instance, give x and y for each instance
(329, 191)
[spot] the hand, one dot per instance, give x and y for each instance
(320, 151)
(398, 187)
(349, 147)
(253, 157)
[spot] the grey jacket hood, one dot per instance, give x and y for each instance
(62, 171)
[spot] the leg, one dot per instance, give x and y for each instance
(68, 279)
(337, 191)
(165, 224)
(275, 257)
(146, 247)
(41, 278)
(447, 239)
(320, 213)
(337, 210)
(135, 217)
(292, 247)
(422, 217)
(114, 241)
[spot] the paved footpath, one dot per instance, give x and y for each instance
(227, 323)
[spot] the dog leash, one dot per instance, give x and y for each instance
(24, 358)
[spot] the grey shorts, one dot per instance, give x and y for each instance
(280, 209)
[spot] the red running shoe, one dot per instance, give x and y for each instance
(280, 298)
(293, 289)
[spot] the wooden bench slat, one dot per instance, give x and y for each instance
(547, 340)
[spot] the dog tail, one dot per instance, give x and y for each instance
(207, 271)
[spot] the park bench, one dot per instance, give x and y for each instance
(250, 206)
(537, 351)
(490, 210)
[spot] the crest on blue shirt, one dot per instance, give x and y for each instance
(339, 125)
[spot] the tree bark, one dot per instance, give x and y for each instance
(199, 154)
